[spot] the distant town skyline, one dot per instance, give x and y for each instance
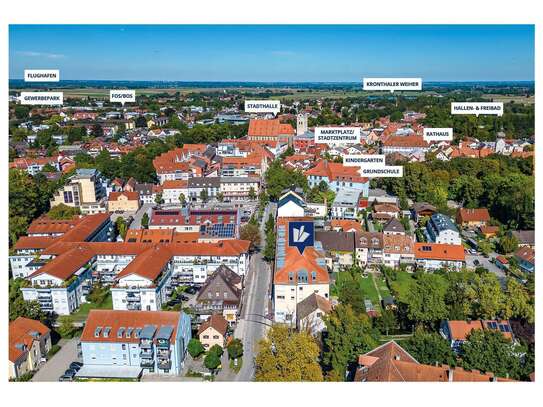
(278, 53)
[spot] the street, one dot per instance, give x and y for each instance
(57, 365)
(253, 322)
(136, 223)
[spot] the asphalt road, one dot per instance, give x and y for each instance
(254, 319)
(57, 365)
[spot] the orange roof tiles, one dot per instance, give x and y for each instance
(20, 333)
(34, 242)
(335, 171)
(346, 225)
(440, 251)
(65, 265)
(215, 321)
(398, 244)
(273, 128)
(46, 225)
(126, 319)
(175, 184)
(473, 215)
(404, 141)
(391, 363)
(148, 264)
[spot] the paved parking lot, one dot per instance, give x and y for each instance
(57, 365)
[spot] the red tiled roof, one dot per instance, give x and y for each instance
(175, 184)
(526, 253)
(215, 321)
(473, 215)
(274, 127)
(148, 264)
(440, 251)
(116, 319)
(34, 242)
(405, 141)
(335, 171)
(20, 333)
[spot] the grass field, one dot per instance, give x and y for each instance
(81, 314)
(511, 98)
(402, 283)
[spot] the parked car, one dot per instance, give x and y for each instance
(70, 372)
(184, 298)
(75, 366)
(191, 290)
(476, 262)
(65, 378)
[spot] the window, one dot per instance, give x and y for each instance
(215, 336)
(206, 336)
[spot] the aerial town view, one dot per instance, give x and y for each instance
(261, 213)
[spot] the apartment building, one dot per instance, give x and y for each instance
(86, 190)
(29, 342)
(441, 229)
(435, 256)
(397, 249)
(296, 276)
(337, 177)
(129, 344)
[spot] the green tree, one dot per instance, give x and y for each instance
(204, 195)
(220, 197)
(212, 361)
(235, 349)
(158, 198)
(121, 227)
(195, 348)
(489, 351)
(485, 247)
(250, 232)
(460, 294)
(24, 198)
(517, 302)
(63, 212)
(269, 247)
(252, 194)
(182, 199)
(349, 334)
(489, 296)
(426, 299)
(508, 243)
(145, 221)
(386, 322)
(429, 348)
(216, 349)
(349, 291)
(287, 356)
(66, 327)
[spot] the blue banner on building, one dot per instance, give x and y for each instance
(301, 235)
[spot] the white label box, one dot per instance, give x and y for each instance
(393, 171)
(42, 98)
(365, 160)
(263, 106)
(122, 96)
(477, 108)
(438, 134)
(337, 135)
(392, 84)
(42, 75)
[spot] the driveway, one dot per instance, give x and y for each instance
(485, 262)
(136, 223)
(57, 365)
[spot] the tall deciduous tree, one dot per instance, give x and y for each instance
(287, 356)
(349, 334)
(426, 299)
(429, 348)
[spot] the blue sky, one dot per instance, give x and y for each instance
(274, 53)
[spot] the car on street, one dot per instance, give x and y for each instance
(65, 378)
(476, 262)
(191, 290)
(184, 298)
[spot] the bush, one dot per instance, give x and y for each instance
(195, 348)
(212, 360)
(235, 349)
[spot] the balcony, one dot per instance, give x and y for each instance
(163, 345)
(133, 306)
(133, 298)
(146, 353)
(147, 363)
(165, 364)
(146, 343)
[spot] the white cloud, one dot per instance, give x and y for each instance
(40, 54)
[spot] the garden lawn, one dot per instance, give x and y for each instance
(81, 314)
(400, 286)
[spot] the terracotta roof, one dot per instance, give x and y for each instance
(489, 229)
(21, 332)
(115, 319)
(398, 244)
(473, 215)
(34, 242)
(526, 254)
(148, 264)
(385, 207)
(335, 172)
(346, 225)
(391, 363)
(65, 265)
(215, 321)
(460, 330)
(274, 127)
(132, 196)
(440, 251)
(405, 141)
(175, 184)
(46, 225)
(86, 226)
